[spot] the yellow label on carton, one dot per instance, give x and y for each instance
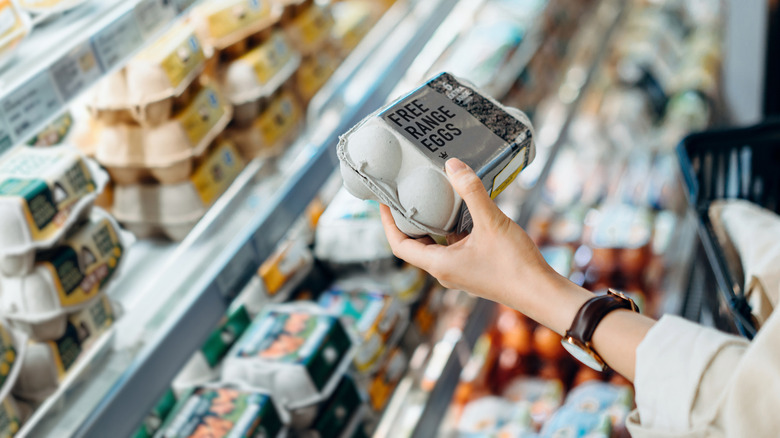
(84, 262)
(200, 117)
(10, 420)
(315, 71)
(279, 119)
(213, 176)
(179, 54)
(10, 20)
(269, 58)
(237, 15)
(313, 26)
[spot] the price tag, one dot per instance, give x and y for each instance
(117, 41)
(151, 15)
(29, 104)
(76, 71)
(237, 273)
(5, 139)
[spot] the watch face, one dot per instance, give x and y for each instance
(582, 355)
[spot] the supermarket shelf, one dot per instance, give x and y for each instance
(195, 282)
(63, 56)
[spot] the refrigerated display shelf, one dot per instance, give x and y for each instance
(67, 53)
(175, 294)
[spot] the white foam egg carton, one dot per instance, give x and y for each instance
(396, 155)
(43, 193)
(65, 278)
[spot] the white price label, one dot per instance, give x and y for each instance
(76, 71)
(28, 105)
(5, 138)
(117, 41)
(151, 15)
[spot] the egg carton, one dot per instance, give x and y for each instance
(65, 278)
(43, 193)
(396, 155)
(298, 352)
(172, 210)
(146, 89)
(278, 123)
(221, 23)
(308, 24)
(261, 70)
(351, 22)
(15, 25)
(46, 364)
(314, 72)
(48, 7)
(237, 410)
(14, 411)
(167, 152)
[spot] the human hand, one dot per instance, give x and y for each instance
(497, 260)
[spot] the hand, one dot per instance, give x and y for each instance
(497, 261)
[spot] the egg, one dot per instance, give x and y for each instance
(376, 152)
(427, 197)
(406, 226)
(354, 183)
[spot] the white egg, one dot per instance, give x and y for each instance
(427, 196)
(405, 226)
(375, 151)
(354, 183)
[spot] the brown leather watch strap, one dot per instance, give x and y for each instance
(592, 312)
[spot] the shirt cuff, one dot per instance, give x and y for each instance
(670, 362)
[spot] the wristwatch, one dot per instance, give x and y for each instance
(577, 340)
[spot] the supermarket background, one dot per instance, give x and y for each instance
(178, 258)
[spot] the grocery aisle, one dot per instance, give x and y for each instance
(179, 255)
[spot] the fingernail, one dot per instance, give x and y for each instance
(454, 165)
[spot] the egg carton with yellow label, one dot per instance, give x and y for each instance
(314, 72)
(222, 23)
(396, 156)
(43, 192)
(165, 153)
(277, 276)
(278, 124)
(13, 412)
(48, 7)
(65, 278)
(145, 90)
(46, 364)
(172, 210)
(15, 25)
(261, 71)
(405, 284)
(297, 351)
(352, 21)
(308, 24)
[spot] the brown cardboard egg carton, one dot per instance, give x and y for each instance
(164, 153)
(307, 23)
(224, 23)
(172, 210)
(277, 122)
(154, 82)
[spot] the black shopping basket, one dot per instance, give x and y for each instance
(739, 163)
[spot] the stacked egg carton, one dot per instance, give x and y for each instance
(255, 62)
(57, 254)
(155, 127)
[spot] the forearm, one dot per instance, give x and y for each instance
(617, 336)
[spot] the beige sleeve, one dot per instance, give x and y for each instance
(693, 381)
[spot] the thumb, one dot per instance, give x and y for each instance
(469, 186)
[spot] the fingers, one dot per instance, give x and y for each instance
(417, 252)
(469, 186)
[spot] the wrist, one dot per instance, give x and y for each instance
(556, 303)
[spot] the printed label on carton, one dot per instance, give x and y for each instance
(279, 119)
(226, 334)
(445, 119)
(313, 25)
(237, 16)
(9, 19)
(199, 118)
(7, 354)
(10, 420)
(223, 412)
(269, 58)
(84, 263)
(214, 176)
(182, 57)
(315, 71)
(46, 187)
